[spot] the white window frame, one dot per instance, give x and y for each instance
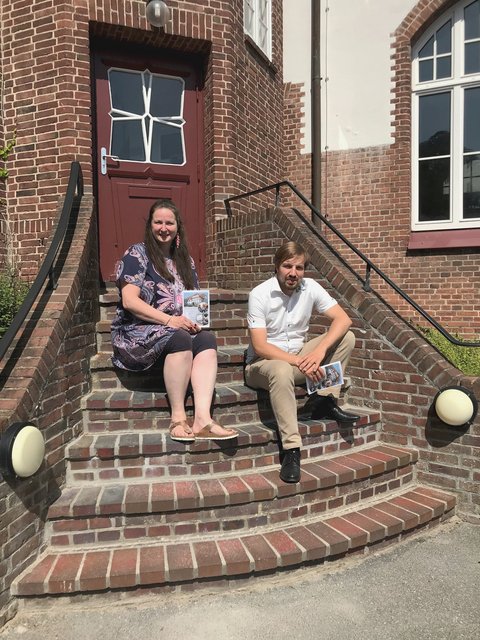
(254, 9)
(456, 85)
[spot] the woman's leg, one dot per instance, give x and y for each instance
(203, 377)
(176, 375)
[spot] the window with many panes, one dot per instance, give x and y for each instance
(257, 20)
(446, 122)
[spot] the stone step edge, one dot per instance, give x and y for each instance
(225, 394)
(228, 354)
(133, 566)
(228, 489)
(217, 295)
(96, 445)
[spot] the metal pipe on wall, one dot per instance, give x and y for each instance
(316, 88)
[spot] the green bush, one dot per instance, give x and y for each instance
(467, 359)
(12, 293)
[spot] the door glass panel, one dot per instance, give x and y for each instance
(127, 140)
(472, 21)
(434, 190)
(434, 129)
(471, 186)
(167, 144)
(126, 92)
(167, 96)
(147, 117)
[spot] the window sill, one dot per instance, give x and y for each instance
(445, 239)
(261, 54)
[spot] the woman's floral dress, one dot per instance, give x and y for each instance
(136, 343)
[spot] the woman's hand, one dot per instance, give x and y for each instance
(182, 322)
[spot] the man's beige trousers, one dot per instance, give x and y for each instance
(279, 378)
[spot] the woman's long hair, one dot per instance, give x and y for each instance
(180, 255)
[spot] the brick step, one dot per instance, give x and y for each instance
(195, 559)
(106, 376)
(223, 303)
(227, 331)
(134, 410)
(121, 511)
(117, 455)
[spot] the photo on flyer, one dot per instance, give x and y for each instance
(333, 378)
(196, 306)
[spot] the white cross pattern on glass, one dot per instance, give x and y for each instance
(147, 117)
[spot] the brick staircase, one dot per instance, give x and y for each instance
(141, 511)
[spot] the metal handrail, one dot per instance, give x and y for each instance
(369, 265)
(75, 185)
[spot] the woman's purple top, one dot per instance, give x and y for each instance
(136, 343)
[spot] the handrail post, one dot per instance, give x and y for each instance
(277, 195)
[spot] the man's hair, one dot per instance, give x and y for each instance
(288, 251)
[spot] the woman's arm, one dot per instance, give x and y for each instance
(133, 303)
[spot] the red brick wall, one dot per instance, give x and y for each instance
(43, 380)
(366, 193)
(47, 93)
(45, 68)
(393, 369)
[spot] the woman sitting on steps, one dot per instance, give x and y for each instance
(149, 326)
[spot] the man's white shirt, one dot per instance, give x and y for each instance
(286, 318)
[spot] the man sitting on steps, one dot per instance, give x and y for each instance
(279, 357)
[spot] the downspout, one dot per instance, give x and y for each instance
(316, 107)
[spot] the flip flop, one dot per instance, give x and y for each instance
(207, 434)
(190, 437)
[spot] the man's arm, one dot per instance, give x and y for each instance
(339, 325)
(269, 351)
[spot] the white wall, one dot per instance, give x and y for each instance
(356, 67)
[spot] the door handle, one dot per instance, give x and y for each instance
(103, 160)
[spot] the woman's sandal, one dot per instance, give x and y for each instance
(190, 437)
(207, 434)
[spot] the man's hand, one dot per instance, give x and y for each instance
(309, 364)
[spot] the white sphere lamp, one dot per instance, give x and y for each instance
(22, 449)
(456, 406)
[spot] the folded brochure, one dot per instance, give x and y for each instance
(196, 306)
(333, 377)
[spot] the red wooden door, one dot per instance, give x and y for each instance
(149, 145)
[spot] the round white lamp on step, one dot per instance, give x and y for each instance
(22, 448)
(456, 406)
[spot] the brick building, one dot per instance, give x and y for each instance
(198, 111)
(402, 191)
(73, 75)
(192, 111)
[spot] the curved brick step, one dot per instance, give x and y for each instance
(102, 512)
(134, 410)
(261, 551)
(106, 376)
(117, 455)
